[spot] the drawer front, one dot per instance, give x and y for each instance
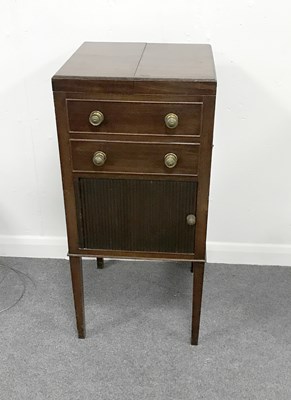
(134, 117)
(135, 158)
(137, 215)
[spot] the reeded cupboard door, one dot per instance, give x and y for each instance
(137, 215)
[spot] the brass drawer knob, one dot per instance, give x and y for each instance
(96, 118)
(191, 219)
(171, 120)
(99, 158)
(170, 160)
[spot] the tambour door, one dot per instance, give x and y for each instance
(136, 215)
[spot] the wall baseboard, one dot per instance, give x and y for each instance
(34, 246)
(249, 253)
(217, 252)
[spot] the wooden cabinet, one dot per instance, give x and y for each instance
(135, 125)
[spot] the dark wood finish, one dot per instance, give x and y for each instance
(135, 85)
(168, 61)
(100, 263)
(78, 291)
(141, 255)
(197, 299)
(102, 60)
(192, 97)
(138, 68)
(66, 167)
(138, 157)
(136, 137)
(143, 117)
(204, 176)
(123, 214)
(135, 175)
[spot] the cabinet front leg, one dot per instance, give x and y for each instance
(197, 300)
(78, 292)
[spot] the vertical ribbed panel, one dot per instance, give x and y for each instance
(137, 215)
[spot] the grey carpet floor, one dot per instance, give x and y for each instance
(138, 333)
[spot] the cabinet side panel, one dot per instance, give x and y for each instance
(204, 166)
(66, 167)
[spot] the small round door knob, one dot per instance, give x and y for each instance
(170, 160)
(96, 118)
(171, 120)
(99, 158)
(191, 219)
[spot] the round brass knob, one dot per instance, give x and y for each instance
(171, 120)
(170, 160)
(96, 118)
(191, 219)
(99, 158)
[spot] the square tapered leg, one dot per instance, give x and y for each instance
(197, 300)
(78, 292)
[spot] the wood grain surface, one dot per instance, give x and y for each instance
(138, 157)
(143, 117)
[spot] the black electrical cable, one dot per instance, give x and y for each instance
(21, 276)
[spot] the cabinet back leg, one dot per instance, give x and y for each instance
(78, 292)
(100, 263)
(198, 276)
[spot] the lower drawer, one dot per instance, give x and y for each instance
(134, 158)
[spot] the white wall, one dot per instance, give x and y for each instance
(250, 205)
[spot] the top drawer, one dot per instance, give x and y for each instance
(135, 117)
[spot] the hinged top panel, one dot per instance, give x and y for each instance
(136, 65)
(103, 60)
